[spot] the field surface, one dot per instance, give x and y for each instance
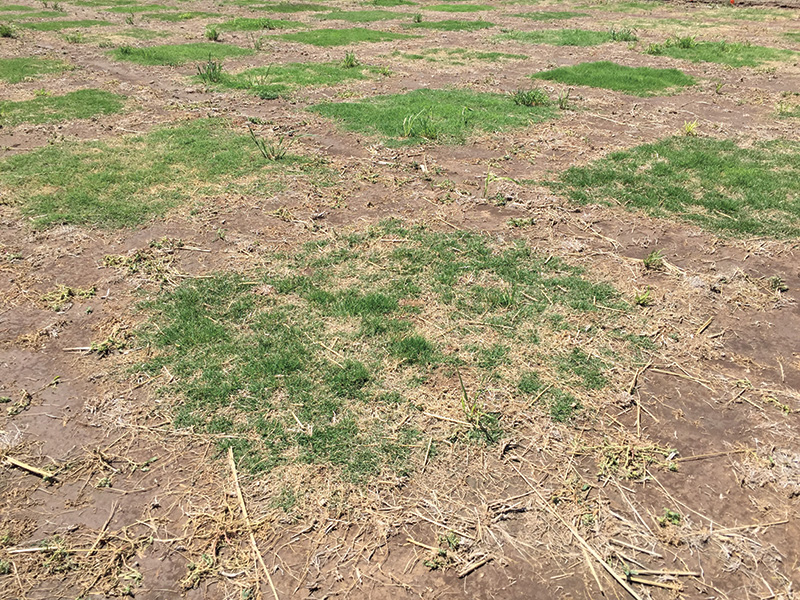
(399, 299)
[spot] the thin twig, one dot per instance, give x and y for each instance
(667, 586)
(583, 542)
(704, 326)
(588, 560)
(103, 530)
(46, 475)
(427, 454)
(248, 523)
(637, 548)
(473, 566)
(435, 416)
(711, 455)
(753, 526)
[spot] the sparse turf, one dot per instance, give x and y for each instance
(257, 24)
(178, 54)
(139, 33)
(276, 80)
(14, 70)
(102, 3)
(451, 25)
(80, 104)
(631, 6)
(293, 7)
(59, 25)
(328, 356)
(360, 16)
(138, 8)
(726, 53)
(390, 3)
(341, 37)
(559, 37)
(713, 183)
(458, 8)
(15, 8)
(446, 116)
(457, 56)
(639, 81)
(174, 17)
(93, 182)
(555, 15)
(28, 16)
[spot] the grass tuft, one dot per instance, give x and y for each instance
(92, 182)
(360, 16)
(81, 104)
(178, 54)
(59, 25)
(176, 17)
(278, 80)
(562, 37)
(733, 54)
(293, 7)
(341, 37)
(550, 16)
(713, 183)
(639, 81)
(534, 97)
(458, 8)
(257, 24)
(311, 361)
(449, 25)
(14, 70)
(444, 115)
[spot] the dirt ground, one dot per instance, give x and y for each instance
(138, 508)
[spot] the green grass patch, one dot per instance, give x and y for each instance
(554, 15)
(178, 54)
(390, 3)
(587, 369)
(446, 116)
(726, 53)
(457, 56)
(101, 3)
(315, 359)
(59, 25)
(293, 7)
(744, 13)
(277, 80)
(93, 182)
(80, 104)
(174, 17)
(341, 37)
(638, 81)
(713, 183)
(559, 37)
(257, 24)
(138, 8)
(793, 35)
(360, 16)
(626, 6)
(15, 8)
(458, 8)
(451, 25)
(44, 14)
(14, 70)
(787, 109)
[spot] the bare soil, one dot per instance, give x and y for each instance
(138, 508)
